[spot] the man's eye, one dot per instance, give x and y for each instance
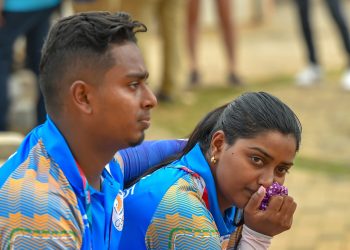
(134, 85)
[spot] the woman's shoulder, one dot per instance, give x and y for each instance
(182, 218)
(151, 189)
(167, 185)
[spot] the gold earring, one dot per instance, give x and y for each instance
(213, 160)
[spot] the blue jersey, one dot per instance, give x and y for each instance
(176, 207)
(46, 203)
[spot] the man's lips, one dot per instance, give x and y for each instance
(145, 122)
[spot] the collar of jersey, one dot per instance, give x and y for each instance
(196, 161)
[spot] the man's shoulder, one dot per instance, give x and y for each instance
(33, 184)
(36, 180)
(37, 200)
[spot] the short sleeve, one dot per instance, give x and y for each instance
(182, 220)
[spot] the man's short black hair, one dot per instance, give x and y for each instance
(81, 42)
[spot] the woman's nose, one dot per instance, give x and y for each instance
(266, 178)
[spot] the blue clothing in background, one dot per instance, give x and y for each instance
(28, 5)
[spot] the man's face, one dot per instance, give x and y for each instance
(123, 99)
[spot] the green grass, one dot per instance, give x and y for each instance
(181, 117)
(327, 167)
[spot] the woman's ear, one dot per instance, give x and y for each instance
(81, 94)
(217, 144)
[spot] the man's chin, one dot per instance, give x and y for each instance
(138, 141)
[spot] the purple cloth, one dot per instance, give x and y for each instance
(274, 189)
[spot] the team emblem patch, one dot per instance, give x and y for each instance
(118, 212)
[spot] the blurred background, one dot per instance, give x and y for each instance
(203, 57)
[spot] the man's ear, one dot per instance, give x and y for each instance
(217, 143)
(80, 92)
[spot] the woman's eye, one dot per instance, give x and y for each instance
(283, 170)
(257, 160)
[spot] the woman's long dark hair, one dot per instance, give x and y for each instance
(247, 116)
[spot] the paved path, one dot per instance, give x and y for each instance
(322, 219)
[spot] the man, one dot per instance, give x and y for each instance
(55, 190)
(30, 18)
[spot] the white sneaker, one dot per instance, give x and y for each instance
(346, 80)
(309, 76)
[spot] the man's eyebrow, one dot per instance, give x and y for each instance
(140, 75)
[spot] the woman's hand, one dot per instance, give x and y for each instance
(277, 217)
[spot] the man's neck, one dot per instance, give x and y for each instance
(92, 162)
(91, 158)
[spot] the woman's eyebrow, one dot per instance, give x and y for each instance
(269, 156)
(262, 151)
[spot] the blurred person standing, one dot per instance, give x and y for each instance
(229, 34)
(30, 18)
(312, 74)
(168, 15)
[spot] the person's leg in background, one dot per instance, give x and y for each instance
(312, 73)
(336, 11)
(145, 11)
(15, 24)
(229, 34)
(168, 15)
(6, 44)
(35, 40)
(171, 21)
(192, 38)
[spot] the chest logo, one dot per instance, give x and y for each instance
(118, 212)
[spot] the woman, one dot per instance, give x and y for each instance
(232, 156)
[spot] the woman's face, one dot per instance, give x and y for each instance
(249, 163)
